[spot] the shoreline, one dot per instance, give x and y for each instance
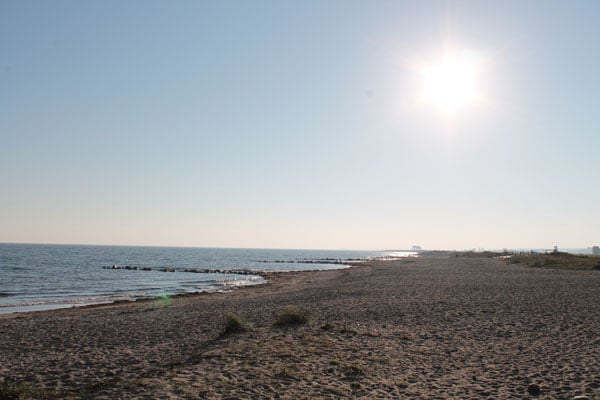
(267, 276)
(253, 277)
(263, 274)
(426, 327)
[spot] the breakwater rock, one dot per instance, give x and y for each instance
(192, 270)
(314, 261)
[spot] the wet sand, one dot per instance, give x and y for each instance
(434, 327)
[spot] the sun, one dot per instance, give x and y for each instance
(451, 84)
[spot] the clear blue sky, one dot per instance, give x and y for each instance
(296, 124)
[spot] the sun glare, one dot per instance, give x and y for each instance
(451, 84)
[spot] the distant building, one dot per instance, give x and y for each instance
(416, 248)
(596, 250)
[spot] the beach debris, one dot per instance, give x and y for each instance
(581, 398)
(534, 389)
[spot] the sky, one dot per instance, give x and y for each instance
(298, 124)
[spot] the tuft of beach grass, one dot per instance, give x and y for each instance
(292, 315)
(24, 391)
(234, 324)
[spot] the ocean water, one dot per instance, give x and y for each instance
(40, 277)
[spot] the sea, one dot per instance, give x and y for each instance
(41, 277)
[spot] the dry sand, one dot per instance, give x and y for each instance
(434, 327)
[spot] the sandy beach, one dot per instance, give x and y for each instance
(432, 327)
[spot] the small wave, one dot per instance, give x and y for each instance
(394, 255)
(319, 261)
(203, 286)
(72, 301)
(226, 283)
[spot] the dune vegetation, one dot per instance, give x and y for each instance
(557, 260)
